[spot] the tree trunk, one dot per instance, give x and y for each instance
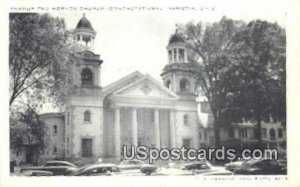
(216, 129)
(258, 128)
(217, 135)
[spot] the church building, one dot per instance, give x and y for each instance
(135, 110)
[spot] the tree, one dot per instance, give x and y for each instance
(209, 48)
(40, 57)
(28, 131)
(259, 65)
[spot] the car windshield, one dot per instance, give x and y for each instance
(81, 169)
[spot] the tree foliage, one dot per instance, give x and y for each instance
(242, 69)
(27, 129)
(40, 57)
(259, 65)
(209, 47)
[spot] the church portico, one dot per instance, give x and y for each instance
(151, 127)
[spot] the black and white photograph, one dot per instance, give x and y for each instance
(130, 91)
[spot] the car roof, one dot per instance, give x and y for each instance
(91, 166)
(60, 162)
(135, 160)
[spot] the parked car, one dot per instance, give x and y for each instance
(97, 170)
(169, 171)
(261, 167)
(232, 166)
(37, 173)
(131, 164)
(202, 167)
(136, 166)
(206, 168)
(56, 167)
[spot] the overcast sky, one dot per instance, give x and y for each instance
(129, 41)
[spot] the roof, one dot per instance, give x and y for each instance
(122, 82)
(52, 114)
(84, 23)
(133, 79)
(97, 165)
(60, 161)
(176, 38)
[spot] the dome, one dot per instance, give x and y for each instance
(176, 38)
(84, 23)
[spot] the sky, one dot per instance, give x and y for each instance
(129, 41)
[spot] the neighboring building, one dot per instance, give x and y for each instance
(55, 143)
(242, 135)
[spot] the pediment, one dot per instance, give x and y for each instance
(146, 87)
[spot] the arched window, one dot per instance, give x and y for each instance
(184, 85)
(272, 134)
(86, 77)
(54, 129)
(186, 119)
(168, 84)
(170, 55)
(54, 149)
(181, 55)
(87, 116)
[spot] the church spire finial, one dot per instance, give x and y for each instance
(83, 14)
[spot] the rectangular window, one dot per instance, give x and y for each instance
(200, 135)
(170, 55)
(175, 55)
(280, 133)
(243, 133)
(186, 120)
(55, 129)
(186, 143)
(140, 141)
(86, 147)
(263, 132)
(231, 133)
(54, 150)
(205, 107)
(181, 55)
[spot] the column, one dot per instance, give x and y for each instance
(185, 56)
(177, 55)
(174, 83)
(172, 129)
(156, 128)
(117, 136)
(80, 41)
(173, 59)
(134, 127)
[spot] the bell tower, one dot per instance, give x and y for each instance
(179, 75)
(84, 105)
(88, 69)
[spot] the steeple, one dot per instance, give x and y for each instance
(179, 75)
(89, 67)
(84, 34)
